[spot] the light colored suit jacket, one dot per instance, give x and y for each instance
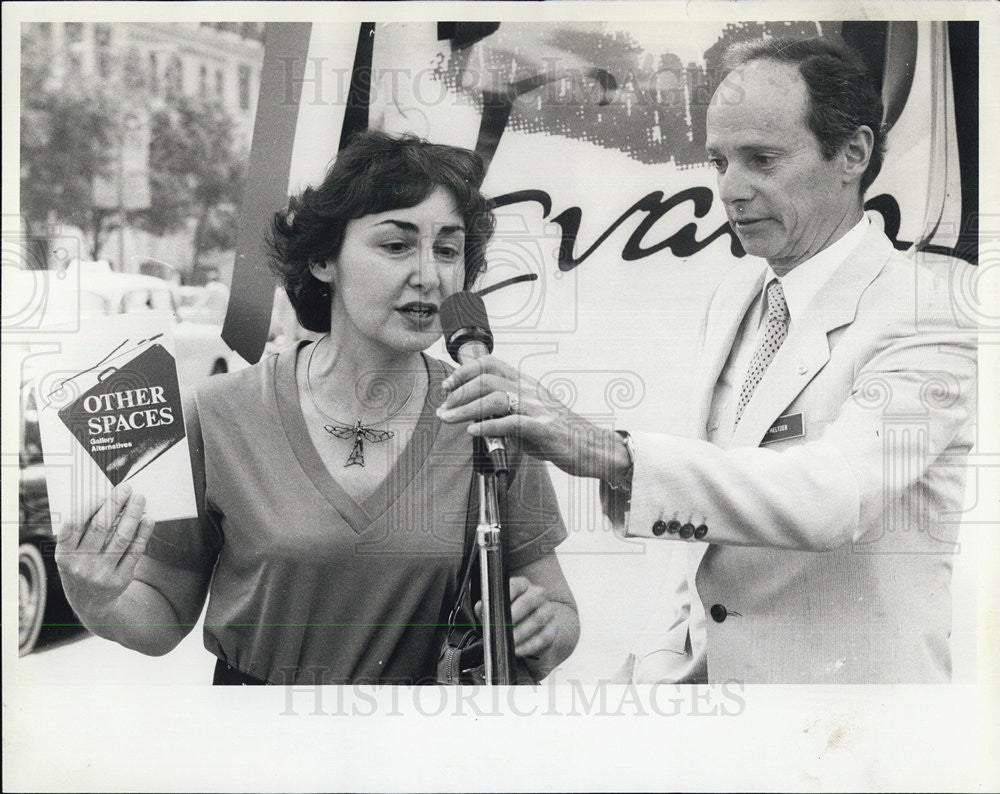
(825, 557)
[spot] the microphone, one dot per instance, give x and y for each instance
(468, 337)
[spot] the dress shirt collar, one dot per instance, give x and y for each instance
(801, 284)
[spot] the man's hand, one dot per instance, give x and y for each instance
(97, 559)
(544, 427)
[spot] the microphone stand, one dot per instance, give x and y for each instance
(498, 635)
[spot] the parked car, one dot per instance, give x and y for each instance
(204, 304)
(97, 290)
(93, 290)
(285, 330)
(40, 593)
(199, 346)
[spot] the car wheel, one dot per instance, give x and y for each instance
(219, 367)
(32, 597)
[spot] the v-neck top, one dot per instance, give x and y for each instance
(310, 586)
(359, 515)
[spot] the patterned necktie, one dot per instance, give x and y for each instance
(775, 331)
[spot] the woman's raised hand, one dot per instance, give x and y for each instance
(97, 558)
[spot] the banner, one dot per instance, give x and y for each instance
(594, 133)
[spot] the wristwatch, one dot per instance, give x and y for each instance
(624, 486)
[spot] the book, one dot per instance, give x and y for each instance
(110, 411)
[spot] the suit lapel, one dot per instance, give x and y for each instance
(732, 299)
(806, 348)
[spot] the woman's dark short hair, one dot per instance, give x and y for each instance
(842, 96)
(374, 173)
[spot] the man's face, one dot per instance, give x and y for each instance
(784, 200)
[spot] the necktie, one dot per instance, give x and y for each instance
(775, 330)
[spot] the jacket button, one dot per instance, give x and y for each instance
(659, 528)
(718, 613)
(687, 531)
(673, 527)
(700, 531)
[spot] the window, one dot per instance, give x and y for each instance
(174, 77)
(132, 74)
(203, 81)
(220, 83)
(244, 87)
(74, 39)
(102, 38)
(154, 73)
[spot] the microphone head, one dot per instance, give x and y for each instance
(464, 319)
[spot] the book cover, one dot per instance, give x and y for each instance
(110, 411)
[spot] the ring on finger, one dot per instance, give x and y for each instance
(512, 404)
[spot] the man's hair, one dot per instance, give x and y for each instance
(842, 95)
(375, 173)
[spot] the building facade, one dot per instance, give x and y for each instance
(158, 61)
(218, 60)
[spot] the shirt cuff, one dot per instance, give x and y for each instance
(616, 499)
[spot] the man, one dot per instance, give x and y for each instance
(834, 386)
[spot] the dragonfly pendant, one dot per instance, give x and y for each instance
(361, 434)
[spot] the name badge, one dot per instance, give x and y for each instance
(784, 428)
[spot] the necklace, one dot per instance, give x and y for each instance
(359, 430)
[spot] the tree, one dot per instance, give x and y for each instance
(72, 127)
(195, 173)
(69, 134)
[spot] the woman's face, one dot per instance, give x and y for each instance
(394, 270)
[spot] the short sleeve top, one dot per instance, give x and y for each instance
(310, 586)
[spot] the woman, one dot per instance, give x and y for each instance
(334, 501)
